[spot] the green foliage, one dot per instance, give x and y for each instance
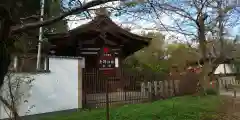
(179, 108)
(150, 57)
(181, 54)
(21, 8)
(159, 57)
(211, 91)
(54, 9)
(25, 8)
(131, 4)
(131, 62)
(227, 9)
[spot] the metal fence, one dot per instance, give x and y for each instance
(131, 86)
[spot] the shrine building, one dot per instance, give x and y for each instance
(87, 40)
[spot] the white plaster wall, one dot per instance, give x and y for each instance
(54, 91)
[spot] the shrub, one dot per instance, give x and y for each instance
(211, 91)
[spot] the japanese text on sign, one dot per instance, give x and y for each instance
(107, 59)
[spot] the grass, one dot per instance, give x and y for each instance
(179, 108)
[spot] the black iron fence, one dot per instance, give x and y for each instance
(131, 86)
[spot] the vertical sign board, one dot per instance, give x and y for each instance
(107, 66)
(107, 61)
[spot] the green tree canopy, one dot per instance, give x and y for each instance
(150, 56)
(20, 12)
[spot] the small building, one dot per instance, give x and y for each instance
(88, 39)
(67, 69)
(227, 74)
(224, 70)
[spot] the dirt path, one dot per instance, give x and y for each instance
(227, 110)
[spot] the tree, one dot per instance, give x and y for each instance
(15, 91)
(54, 9)
(160, 56)
(151, 56)
(9, 29)
(181, 55)
(194, 19)
(154, 50)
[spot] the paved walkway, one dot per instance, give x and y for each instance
(228, 112)
(229, 93)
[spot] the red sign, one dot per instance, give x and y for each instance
(105, 50)
(106, 60)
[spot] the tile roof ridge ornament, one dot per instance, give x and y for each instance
(102, 11)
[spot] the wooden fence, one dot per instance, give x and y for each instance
(131, 86)
(228, 80)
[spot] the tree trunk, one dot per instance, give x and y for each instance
(7, 28)
(4, 62)
(202, 43)
(204, 78)
(5, 24)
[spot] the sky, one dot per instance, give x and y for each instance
(138, 26)
(141, 25)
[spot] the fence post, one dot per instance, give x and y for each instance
(161, 87)
(84, 90)
(155, 87)
(107, 100)
(219, 83)
(218, 86)
(149, 86)
(172, 87)
(125, 93)
(177, 84)
(142, 87)
(167, 87)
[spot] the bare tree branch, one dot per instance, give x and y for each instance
(35, 17)
(20, 28)
(11, 108)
